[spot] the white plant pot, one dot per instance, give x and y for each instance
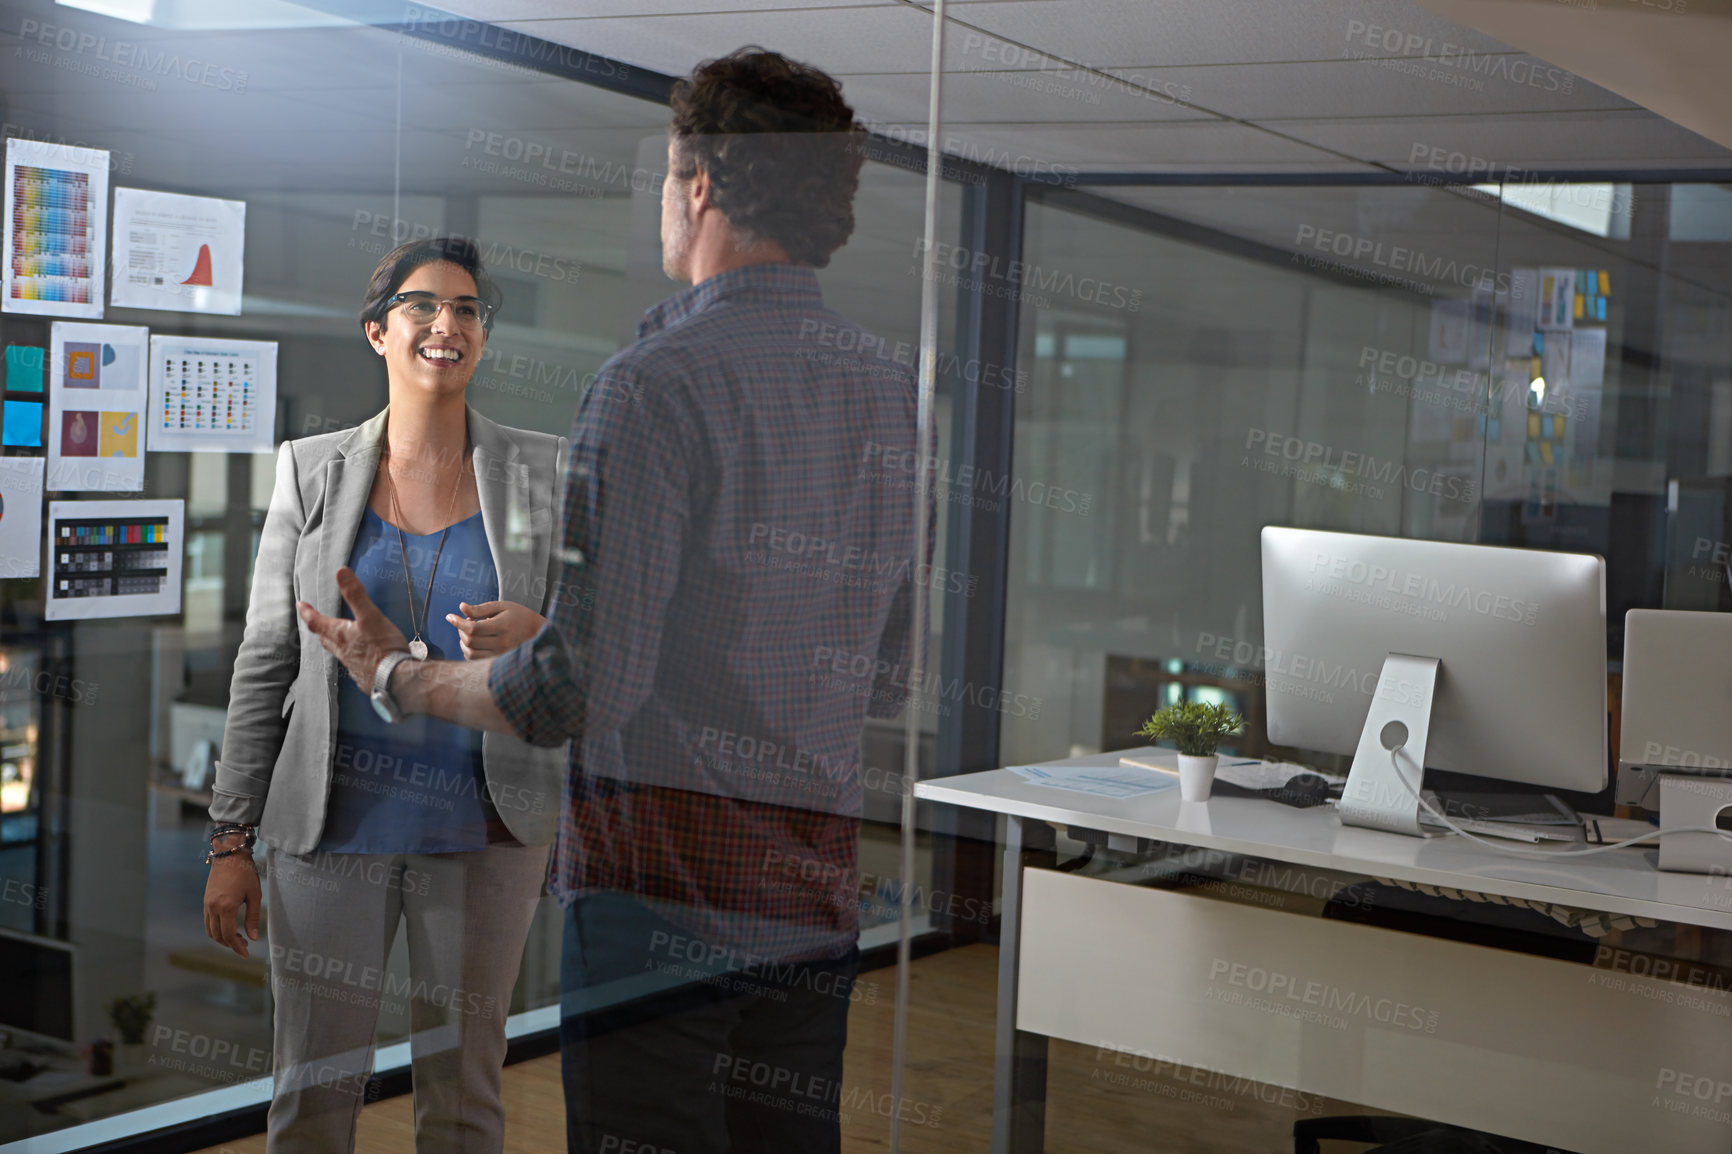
(1197, 776)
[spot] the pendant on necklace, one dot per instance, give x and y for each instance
(418, 649)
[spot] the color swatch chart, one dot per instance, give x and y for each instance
(51, 235)
(209, 395)
(111, 558)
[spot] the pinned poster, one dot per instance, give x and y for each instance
(180, 253)
(1588, 358)
(56, 229)
(113, 559)
(212, 395)
(96, 398)
(1449, 332)
(1557, 298)
(1524, 311)
(20, 517)
(1481, 313)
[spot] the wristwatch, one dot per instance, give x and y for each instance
(383, 703)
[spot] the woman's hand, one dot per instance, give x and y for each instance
(233, 882)
(494, 627)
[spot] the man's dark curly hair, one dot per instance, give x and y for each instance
(780, 146)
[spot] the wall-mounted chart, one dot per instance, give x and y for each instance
(96, 396)
(181, 253)
(113, 558)
(211, 395)
(55, 229)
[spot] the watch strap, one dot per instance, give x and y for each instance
(382, 677)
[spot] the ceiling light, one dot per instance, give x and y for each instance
(1602, 209)
(137, 11)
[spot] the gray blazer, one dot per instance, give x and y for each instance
(275, 771)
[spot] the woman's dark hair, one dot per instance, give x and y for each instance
(396, 266)
(780, 146)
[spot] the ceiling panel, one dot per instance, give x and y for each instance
(1010, 97)
(500, 10)
(879, 38)
(1430, 219)
(1172, 147)
(1356, 89)
(1296, 67)
(1562, 140)
(1145, 33)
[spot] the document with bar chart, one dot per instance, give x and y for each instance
(113, 559)
(56, 229)
(211, 395)
(175, 252)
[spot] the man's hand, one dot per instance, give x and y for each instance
(494, 627)
(359, 644)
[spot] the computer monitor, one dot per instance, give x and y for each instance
(1427, 654)
(1677, 686)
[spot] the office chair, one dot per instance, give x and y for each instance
(1404, 1136)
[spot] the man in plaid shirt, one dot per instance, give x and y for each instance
(737, 546)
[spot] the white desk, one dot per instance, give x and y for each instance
(1102, 963)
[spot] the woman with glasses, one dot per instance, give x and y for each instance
(372, 819)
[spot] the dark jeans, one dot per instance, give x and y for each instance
(672, 1046)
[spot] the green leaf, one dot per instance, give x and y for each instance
(1196, 729)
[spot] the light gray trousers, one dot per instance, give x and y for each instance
(332, 919)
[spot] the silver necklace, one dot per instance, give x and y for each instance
(418, 647)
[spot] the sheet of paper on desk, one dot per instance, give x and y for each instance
(1095, 780)
(1242, 772)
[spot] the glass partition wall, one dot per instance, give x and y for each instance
(343, 138)
(1280, 372)
(1146, 348)
(1333, 326)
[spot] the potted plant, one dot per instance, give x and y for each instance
(131, 1017)
(1196, 729)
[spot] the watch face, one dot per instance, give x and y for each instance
(383, 710)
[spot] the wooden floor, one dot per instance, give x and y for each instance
(1098, 1103)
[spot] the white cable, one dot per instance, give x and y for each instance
(1493, 843)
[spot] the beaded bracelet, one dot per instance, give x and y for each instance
(222, 831)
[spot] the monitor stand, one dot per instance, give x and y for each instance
(1392, 742)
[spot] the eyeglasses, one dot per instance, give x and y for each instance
(422, 308)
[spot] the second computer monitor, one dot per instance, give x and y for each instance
(1520, 635)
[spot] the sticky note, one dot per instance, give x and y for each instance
(1605, 283)
(1546, 452)
(1533, 425)
(21, 423)
(1600, 308)
(23, 369)
(1539, 344)
(1580, 302)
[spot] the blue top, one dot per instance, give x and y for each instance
(416, 787)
